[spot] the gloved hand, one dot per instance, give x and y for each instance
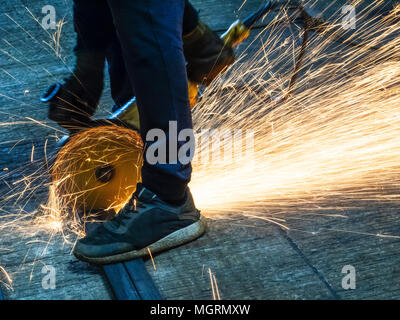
(72, 103)
(206, 54)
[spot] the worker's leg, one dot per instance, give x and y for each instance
(190, 18)
(96, 35)
(164, 214)
(121, 88)
(120, 83)
(204, 51)
(150, 33)
(79, 94)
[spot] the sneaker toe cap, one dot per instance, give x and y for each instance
(84, 250)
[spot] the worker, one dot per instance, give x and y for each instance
(147, 35)
(78, 97)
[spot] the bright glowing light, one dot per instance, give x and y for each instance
(336, 135)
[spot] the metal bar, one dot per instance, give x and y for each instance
(120, 281)
(130, 280)
(143, 282)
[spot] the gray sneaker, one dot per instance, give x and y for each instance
(153, 224)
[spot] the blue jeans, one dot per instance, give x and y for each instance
(148, 36)
(96, 33)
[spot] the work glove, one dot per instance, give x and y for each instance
(206, 54)
(73, 102)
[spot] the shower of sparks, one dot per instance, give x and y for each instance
(55, 37)
(8, 281)
(335, 136)
(214, 286)
(152, 259)
(241, 6)
(74, 172)
(32, 153)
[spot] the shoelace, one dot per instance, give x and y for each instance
(118, 219)
(129, 209)
(126, 213)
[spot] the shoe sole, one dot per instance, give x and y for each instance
(174, 239)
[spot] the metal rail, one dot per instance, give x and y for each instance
(130, 280)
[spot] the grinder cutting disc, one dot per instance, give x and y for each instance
(98, 168)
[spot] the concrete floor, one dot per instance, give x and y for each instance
(251, 259)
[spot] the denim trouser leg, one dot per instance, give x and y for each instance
(190, 18)
(150, 34)
(96, 33)
(121, 87)
(120, 83)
